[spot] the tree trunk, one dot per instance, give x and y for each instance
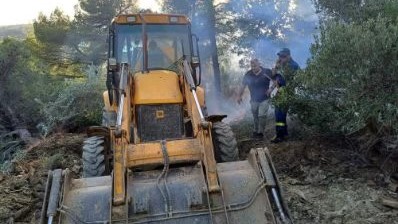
(209, 8)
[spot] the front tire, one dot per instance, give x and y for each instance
(224, 142)
(94, 162)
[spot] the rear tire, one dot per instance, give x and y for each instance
(224, 142)
(94, 163)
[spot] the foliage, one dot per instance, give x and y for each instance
(90, 27)
(52, 29)
(82, 39)
(282, 99)
(43, 84)
(67, 45)
(52, 38)
(254, 20)
(14, 72)
(203, 16)
(19, 80)
(239, 24)
(12, 52)
(77, 105)
(351, 79)
(16, 31)
(350, 86)
(29, 95)
(357, 10)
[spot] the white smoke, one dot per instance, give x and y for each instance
(298, 21)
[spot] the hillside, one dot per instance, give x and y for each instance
(16, 31)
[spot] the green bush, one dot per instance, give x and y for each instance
(24, 78)
(77, 105)
(32, 96)
(352, 78)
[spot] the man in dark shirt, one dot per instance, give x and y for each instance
(258, 81)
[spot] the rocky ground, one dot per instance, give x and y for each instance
(324, 181)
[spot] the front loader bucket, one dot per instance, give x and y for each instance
(179, 195)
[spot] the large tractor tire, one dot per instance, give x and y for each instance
(94, 161)
(224, 142)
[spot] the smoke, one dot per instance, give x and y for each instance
(286, 23)
(281, 23)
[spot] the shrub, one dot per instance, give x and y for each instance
(351, 78)
(77, 105)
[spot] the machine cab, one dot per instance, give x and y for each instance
(150, 41)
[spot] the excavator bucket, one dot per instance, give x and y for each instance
(249, 194)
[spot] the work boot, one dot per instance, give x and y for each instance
(277, 139)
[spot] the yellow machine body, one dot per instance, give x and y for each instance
(157, 87)
(159, 146)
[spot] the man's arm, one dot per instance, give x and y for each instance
(272, 86)
(241, 90)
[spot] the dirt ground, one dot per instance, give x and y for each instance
(323, 180)
(22, 181)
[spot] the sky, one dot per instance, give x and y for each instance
(14, 12)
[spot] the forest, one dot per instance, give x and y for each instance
(340, 163)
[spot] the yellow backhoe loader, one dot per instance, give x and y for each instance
(158, 157)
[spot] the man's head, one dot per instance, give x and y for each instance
(284, 55)
(255, 65)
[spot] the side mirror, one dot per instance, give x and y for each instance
(112, 65)
(195, 60)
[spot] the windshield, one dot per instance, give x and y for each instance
(166, 45)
